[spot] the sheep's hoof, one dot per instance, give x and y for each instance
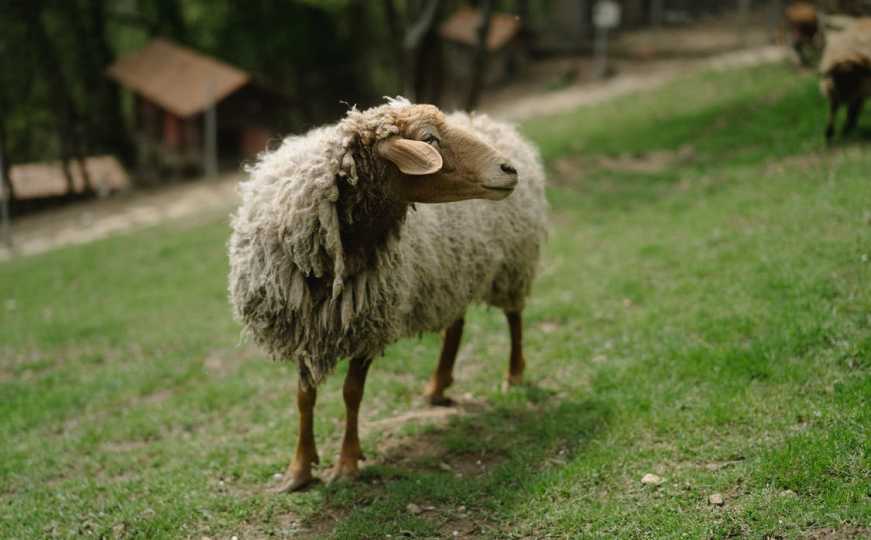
(345, 470)
(439, 400)
(294, 482)
(511, 381)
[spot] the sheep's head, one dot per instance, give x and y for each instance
(435, 160)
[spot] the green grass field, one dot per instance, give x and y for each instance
(703, 314)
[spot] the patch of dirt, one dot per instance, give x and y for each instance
(844, 533)
(569, 169)
(431, 415)
(464, 525)
(226, 362)
(427, 448)
(651, 162)
(120, 447)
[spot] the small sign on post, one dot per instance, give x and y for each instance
(606, 16)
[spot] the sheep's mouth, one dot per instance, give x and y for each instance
(505, 189)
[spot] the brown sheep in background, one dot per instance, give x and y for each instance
(846, 73)
(806, 37)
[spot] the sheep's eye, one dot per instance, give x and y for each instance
(431, 139)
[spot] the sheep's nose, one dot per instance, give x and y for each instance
(506, 168)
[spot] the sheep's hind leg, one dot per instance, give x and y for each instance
(443, 376)
(516, 363)
(355, 381)
(834, 105)
(299, 472)
(853, 112)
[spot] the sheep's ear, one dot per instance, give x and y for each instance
(412, 157)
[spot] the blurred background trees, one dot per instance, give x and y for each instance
(323, 55)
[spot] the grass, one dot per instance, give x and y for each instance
(705, 317)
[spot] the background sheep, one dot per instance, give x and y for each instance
(806, 37)
(330, 259)
(846, 73)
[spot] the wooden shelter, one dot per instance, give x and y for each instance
(45, 180)
(191, 108)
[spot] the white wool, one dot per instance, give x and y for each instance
(298, 292)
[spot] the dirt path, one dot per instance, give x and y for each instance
(93, 220)
(517, 108)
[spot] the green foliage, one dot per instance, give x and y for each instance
(318, 54)
(706, 319)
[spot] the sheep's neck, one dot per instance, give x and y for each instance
(367, 222)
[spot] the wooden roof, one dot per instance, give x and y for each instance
(46, 179)
(462, 27)
(177, 78)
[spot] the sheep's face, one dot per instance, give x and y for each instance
(439, 161)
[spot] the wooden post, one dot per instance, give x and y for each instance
(210, 154)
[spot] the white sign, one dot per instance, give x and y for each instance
(606, 14)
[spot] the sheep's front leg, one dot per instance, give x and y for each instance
(443, 376)
(299, 472)
(516, 363)
(355, 381)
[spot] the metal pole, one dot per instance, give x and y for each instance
(5, 224)
(601, 46)
(210, 157)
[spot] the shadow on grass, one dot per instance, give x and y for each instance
(468, 475)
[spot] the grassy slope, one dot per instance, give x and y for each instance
(706, 320)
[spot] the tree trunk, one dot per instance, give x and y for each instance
(114, 132)
(526, 37)
(358, 14)
(395, 39)
(62, 102)
(480, 66)
(421, 44)
(170, 19)
(6, 194)
(5, 164)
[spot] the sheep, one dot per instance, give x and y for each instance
(846, 73)
(334, 253)
(802, 19)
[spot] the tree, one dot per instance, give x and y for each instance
(479, 69)
(62, 103)
(416, 48)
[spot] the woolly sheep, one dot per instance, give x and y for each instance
(802, 19)
(330, 258)
(846, 73)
